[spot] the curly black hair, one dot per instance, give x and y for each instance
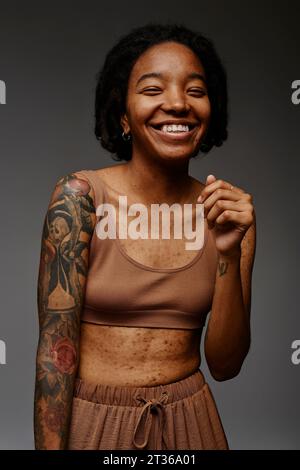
(113, 77)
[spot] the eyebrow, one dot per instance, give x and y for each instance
(160, 75)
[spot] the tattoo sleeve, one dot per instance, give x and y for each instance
(67, 231)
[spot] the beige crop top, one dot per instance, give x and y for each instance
(122, 291)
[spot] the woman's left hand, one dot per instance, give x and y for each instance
(229, 210)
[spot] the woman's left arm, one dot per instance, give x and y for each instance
(230, 212)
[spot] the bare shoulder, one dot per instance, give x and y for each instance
(112, 171)
(73, 185)
(112, 175)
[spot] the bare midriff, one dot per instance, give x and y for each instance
(140, 357)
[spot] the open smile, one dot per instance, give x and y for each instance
(174, 133)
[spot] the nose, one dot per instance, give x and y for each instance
(175, 100)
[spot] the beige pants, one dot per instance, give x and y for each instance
(180, 416)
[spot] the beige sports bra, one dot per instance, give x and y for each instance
(122, 291)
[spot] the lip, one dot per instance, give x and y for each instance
(174, 137)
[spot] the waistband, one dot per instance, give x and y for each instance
(152, 401)
(127, 395)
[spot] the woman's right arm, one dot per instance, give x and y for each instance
(67, 231)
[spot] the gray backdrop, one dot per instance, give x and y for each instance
(49, 55)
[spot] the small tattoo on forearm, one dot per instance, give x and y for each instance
(223, 267)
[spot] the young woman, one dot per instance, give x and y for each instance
(121, 319)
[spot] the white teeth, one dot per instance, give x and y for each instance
(175, 128)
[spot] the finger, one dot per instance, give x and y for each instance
(236, 189)
(210, 179)
(219, 195)
(236, 217)
(223, 205)
(210, 188)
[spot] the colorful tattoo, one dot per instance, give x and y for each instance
(67, 231)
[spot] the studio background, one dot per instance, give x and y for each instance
(50, 53)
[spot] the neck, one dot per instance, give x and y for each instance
(159, 182)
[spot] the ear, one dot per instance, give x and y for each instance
(125, 124)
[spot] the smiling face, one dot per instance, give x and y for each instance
(167, 109)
